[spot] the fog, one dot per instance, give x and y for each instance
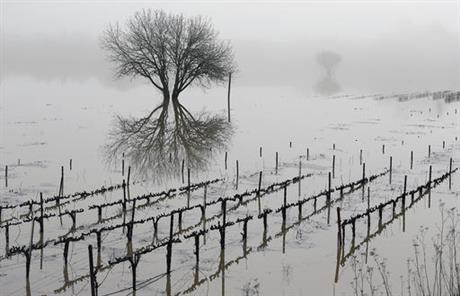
(291, 177)
(385, 47)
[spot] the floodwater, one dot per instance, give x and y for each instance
(45, 124)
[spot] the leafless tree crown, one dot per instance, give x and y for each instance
(328, 59)
(171, 51)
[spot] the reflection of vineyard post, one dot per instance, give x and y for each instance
(339, 245)
(6, 176)
(169, 246)
(197, 256)
(92, 275)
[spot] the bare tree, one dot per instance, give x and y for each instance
(329, 61)
(169, 50)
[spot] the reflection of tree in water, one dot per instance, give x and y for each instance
(327, 85)
(157, 144)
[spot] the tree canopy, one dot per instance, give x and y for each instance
(328, 59)
(170, 50)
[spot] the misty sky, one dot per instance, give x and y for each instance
(385, 45)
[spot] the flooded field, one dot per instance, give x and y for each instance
(253, 148)
(269, 227)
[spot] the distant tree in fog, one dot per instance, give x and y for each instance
(329, 60)
(171, 51)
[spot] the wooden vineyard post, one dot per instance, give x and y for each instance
(70, 164)
(205, 193)
(99, 214)
(29, 251)
(328, 201)
(364, 180)
(393, 203)
(182, 170)
(276, 163)
(283, 210)
(169, 246)
(405, 185)
(308, 154)
(245, 236)
(339, 245)
(133, 211)
(129, 177)
(179, 222)
(6, 176)
(66, 253)
(429, 186)
(450, 174)
(411, 160)
(237, 174)
(364, 172)
(123, 184)
(41, 230)
(339, 229)
(123, 166)
(333, 166)
(258, 192)
(383, 149)
(368, 212)
(225, 160)
(260, 151)
(92, 275)
(429, 151)
(223, 206)
(299, 205)
(368, 197)
(222, 236)
(99, 247)
(134, 260)
(264, 218)
(204, 213)
(403, 210)
(228, 94)
(300, 178)
(391, 167)
(197, 256)
(353, 232)
(360, 156)
(188, 187)
(7, 240)
(61, 193)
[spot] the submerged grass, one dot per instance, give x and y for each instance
(432, 270)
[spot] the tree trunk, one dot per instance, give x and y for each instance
(166, 99)
(176, 107)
